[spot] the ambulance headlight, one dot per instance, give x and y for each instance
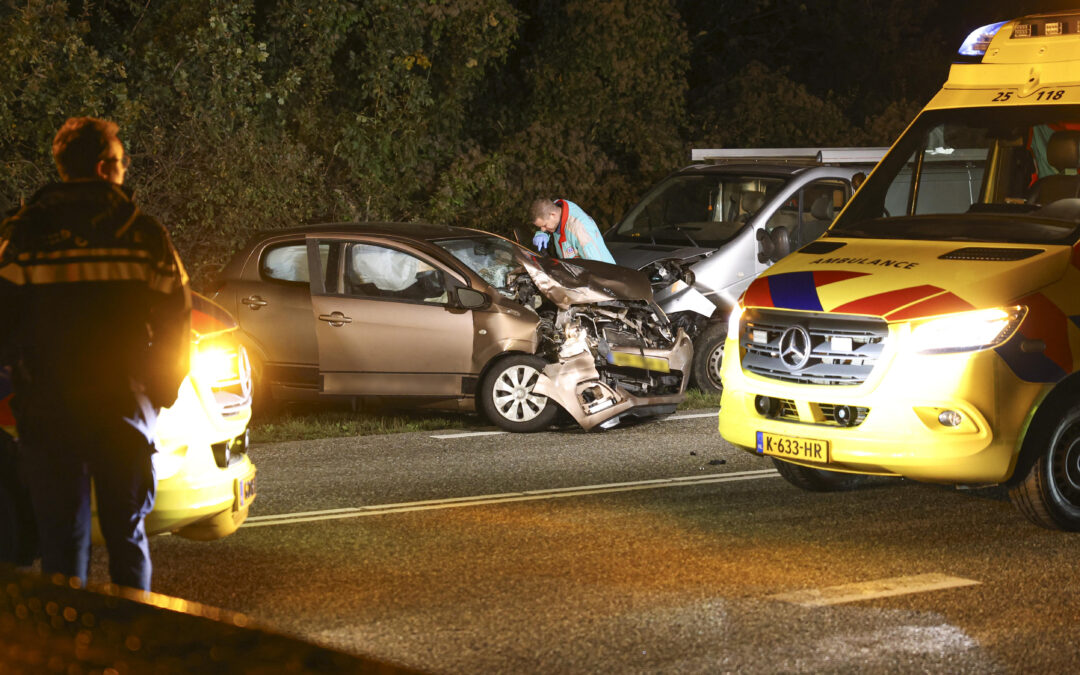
(968, 331)
(734, 319)
(979, 39)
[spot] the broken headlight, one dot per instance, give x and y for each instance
(576, 340)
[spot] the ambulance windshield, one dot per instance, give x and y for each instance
(976, 174)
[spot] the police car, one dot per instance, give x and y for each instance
(206, 481)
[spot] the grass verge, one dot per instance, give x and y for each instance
(310, 422)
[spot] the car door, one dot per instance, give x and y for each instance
(274, 312)
(385, 325)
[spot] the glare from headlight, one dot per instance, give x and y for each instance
(733, 319)
(215, 365)
(969, 331)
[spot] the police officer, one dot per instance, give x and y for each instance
(95, 311)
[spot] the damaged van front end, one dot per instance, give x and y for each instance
(612, 352)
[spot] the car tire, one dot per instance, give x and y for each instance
(708, 358)
(1049, 495)
(816, 480)
(506, 397)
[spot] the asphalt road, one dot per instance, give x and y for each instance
(656, 548)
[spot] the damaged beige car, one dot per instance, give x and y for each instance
(452, 318)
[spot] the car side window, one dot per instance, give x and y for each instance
(386, 273)
(289, 262)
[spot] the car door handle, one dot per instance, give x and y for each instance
(336, 319)
(254, 302)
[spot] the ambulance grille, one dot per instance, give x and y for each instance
(837, 351)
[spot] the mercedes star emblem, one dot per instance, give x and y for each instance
(795, 347)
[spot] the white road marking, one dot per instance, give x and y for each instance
(867, 590)
(468, 434)
(507, 497)
(691, 417)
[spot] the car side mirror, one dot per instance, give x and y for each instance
(773, 245)
(469, 299)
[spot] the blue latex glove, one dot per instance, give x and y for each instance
(540, 240)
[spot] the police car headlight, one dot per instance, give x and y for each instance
(216, 365)
(968, 331)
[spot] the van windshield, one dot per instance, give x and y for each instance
(976, 174)
(696, 210)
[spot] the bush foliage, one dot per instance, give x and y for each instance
(243, 115)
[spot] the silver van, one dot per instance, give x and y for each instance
(703, 233)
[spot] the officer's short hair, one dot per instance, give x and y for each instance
(80, 144)
(540, 208)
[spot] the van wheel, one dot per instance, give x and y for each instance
(708, 358)
(507, 398)
(1050, 493)
(816, 480)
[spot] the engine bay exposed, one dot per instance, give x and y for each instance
(618, 335)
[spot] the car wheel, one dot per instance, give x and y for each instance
(816, 480)
(507, 398)
(1050, 493)
(708, 358)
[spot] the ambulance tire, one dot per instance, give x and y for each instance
(1049, 495)
(505, 396)
(816, 480)
(708, 358)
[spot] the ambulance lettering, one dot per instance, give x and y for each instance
(881, 262)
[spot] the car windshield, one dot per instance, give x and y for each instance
(976, 174)
(697, 210)
(490, 257)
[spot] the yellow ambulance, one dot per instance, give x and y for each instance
(933, 332)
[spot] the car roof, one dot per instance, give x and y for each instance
(421, 231)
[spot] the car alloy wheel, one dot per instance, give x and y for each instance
(513, 394)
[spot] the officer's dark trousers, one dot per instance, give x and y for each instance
(58, 462)
(18, 533)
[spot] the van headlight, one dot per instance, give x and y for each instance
(966, 332)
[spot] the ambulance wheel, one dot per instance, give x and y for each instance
(506, 395)
(708, 358)
(816, 480)
(1050, 493)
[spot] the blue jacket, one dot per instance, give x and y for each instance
(578, 236)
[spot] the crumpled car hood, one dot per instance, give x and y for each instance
(579, 282)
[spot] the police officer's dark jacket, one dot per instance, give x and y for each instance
(94, 305)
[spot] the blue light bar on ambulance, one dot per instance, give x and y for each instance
(979, 40)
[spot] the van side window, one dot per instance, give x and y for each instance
(821, 201)
(289, 262)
